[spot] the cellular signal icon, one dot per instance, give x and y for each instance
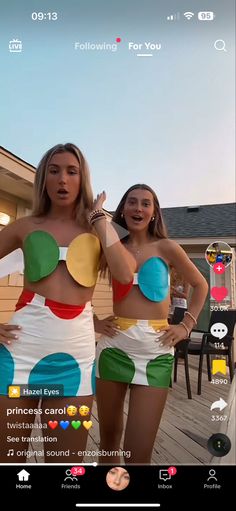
(188, 15)
(173, 17)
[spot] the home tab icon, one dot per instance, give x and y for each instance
(23, 475)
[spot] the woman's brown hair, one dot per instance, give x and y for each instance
(156, 227)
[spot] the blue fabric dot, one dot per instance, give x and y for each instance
(153, 279)
(93, 377)
(6, 369)
(57, 369)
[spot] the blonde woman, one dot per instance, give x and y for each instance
(50, 340)
(137, 353)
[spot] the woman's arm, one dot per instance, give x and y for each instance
(176, 256)
(10, 238)
(121, 263)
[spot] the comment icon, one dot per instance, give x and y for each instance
(219, 330)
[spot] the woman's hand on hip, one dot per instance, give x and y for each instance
(106, 326)
(173, 335)
(6, 335)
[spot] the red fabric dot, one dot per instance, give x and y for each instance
(120, 290)
(25, 298)
(64, 311)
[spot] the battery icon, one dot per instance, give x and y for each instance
(206, 15)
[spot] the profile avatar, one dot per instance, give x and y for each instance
(117, 478)
(219, 252)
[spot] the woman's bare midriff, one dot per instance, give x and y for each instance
(136, 306)
(59, 286)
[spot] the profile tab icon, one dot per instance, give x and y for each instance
(117, 478)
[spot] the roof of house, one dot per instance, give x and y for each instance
(215, 220)
(15, 156)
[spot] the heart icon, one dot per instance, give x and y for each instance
(75, 424)
(87, 424)
(53, 424)
(219, 293)
(64, 424)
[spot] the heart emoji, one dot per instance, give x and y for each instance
(53, 424)
(87, 424)
(75, 424)
(219, 293)
(64, 424)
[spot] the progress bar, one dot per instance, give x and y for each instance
(32, 465)
(119, 505)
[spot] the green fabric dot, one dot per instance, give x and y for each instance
(159, 371)
(41, 254)
(114, 364)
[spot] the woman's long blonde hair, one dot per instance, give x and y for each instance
(84, 202)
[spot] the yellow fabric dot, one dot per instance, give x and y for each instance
(82, 259)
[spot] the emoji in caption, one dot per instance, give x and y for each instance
(53, 424)
(76, 424)
(71, 410)
(84, 410)
(87, 424)
(64, 424)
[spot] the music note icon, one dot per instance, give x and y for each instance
(10, 452)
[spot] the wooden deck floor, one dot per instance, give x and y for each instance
(186, 423)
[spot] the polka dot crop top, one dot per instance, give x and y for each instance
(42, 255)
(152, 278)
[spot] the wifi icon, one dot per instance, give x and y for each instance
(188, 15)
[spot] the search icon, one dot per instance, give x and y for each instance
(219, 44)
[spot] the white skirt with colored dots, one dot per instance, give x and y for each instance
(135, 354)
(56, 346)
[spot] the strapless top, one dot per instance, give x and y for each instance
(152, 278)
(42, 255)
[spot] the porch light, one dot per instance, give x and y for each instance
(4, 219)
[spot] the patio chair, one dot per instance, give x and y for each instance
(207, 345)
(181, 350)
